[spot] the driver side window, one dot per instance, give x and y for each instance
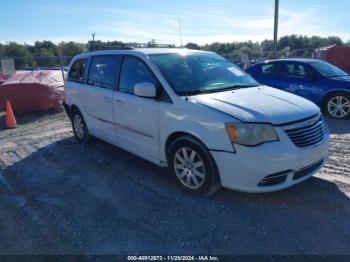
(134, 71)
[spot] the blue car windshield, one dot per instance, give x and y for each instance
(327, 69)
(195, 72)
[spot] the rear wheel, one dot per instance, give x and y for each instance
(337, 106)
(80, 130)
(193, 167)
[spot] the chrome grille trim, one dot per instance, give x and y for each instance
(308, 133)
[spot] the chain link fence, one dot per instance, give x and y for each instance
(62, 62)
(37, 63)
(244, 59)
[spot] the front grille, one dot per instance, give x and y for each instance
(309, 134)
(307, 170)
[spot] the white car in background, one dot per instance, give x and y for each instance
(198, 114)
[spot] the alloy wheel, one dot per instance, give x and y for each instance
(189, 167)
(339, 106)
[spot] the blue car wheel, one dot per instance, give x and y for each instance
(337, 106)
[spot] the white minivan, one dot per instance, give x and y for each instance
(198, 114)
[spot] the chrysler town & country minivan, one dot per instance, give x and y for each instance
(199, 115)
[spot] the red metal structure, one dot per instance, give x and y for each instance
(337, 55)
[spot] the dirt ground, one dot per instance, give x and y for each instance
(60, 197)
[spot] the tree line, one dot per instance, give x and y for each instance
(41, 53)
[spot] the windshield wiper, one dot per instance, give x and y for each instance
(244, 86)
(206, 91)
(233, 87)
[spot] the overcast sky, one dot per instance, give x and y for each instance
(203, 21)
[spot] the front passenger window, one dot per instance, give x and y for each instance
(134, 71)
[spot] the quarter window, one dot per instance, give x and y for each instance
(103, 71)
(134, 71)
(77, 71)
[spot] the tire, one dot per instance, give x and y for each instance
(80, 129)
(337, 106)
(192, 167)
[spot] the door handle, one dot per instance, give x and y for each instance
(119, 102)
(107, 98)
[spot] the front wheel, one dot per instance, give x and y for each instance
(193, 167)
(337, 106)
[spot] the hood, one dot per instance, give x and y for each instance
(259, 104)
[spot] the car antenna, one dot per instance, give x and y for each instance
(180, 33)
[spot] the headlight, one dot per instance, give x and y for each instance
(251, 134)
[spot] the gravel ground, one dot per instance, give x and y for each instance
(60, 197)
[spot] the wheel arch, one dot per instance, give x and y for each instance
(212, 137)
(70, 109)
(332, 92)
(74, 108)
(327, 97)
(177, 134)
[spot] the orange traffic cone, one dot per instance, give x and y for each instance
(10, 117)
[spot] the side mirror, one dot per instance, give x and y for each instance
(145, 89)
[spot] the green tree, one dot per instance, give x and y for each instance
(192, 46)
(99, 45)
(71, 49)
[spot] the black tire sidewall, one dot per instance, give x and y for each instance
(325, 106)
(211, 178)
(86, 137)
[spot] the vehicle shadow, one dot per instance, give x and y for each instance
(338, 127)
(98, 199)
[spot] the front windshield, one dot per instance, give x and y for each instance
(328, 70)
(195, 72)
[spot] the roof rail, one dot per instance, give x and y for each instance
(150, 45)
(123, 47)
(130, 46)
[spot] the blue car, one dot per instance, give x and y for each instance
(323, 83)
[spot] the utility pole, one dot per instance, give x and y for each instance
(93, 41)
(275, 33)
(180, 31)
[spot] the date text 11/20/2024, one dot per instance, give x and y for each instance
(173, 258)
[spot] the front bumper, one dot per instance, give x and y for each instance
(246, 169)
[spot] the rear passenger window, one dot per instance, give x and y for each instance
(77, 71)
(294, 70)
(134, 71)
(103, 71)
